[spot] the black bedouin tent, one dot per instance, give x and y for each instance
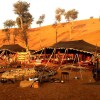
(13, 48)
(79, 47)
(44, 51)
(50, 51)
(77, 44)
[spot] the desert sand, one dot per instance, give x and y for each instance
(83, 88)
(87, 30)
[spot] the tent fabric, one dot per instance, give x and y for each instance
(13, 47)
(78, 44)
(61, 50)
(44, 51)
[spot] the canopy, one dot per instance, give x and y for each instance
(78, 44)
(60, 50)
(13, 47)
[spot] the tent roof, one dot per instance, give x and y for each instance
(78, 44)
(13, 47)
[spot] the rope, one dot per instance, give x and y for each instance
(50, 57)
(63, 56)
(41, 53)
(2, 53)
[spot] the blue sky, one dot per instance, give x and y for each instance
(86, 9)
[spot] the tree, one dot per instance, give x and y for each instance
(24, 19)
(15, 34)
(39, 22)
(71, 15)
(7, 35)
(55, 26)
(27, 20)
(7, 25)
(58, 13)
(91, 17)
(58, 17)
(20, 8)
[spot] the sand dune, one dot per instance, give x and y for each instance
(88, 30)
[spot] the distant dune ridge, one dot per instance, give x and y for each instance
(87, 30)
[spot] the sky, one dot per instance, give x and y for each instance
(86, 9)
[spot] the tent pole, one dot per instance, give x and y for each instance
(62, 58)
(50, 57)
